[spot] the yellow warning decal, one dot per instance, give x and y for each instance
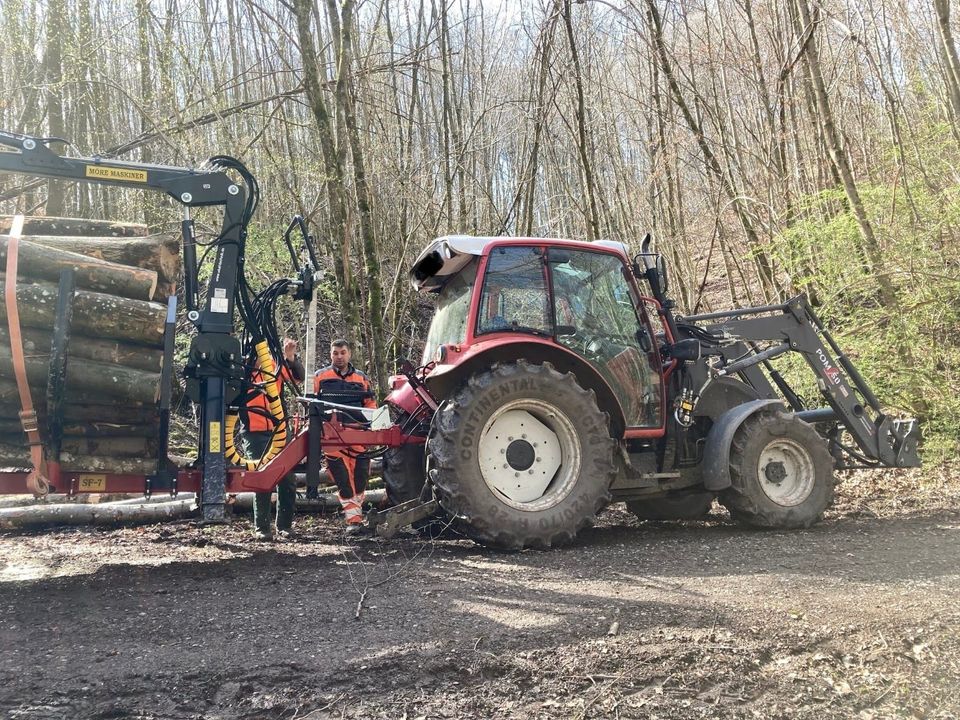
(215, 436)
(105, 172)
(92, 483)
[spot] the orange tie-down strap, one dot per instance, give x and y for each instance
(37, 479)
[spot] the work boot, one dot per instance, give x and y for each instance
(356, 530)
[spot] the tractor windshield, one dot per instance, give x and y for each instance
(449, 323)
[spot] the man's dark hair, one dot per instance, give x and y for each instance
(341, 343)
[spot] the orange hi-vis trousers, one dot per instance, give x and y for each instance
(351, 474)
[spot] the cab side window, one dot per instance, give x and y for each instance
(598, 320)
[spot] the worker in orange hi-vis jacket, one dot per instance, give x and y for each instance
(259, 428)
(343, 384)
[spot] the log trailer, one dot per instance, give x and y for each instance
(556, 379)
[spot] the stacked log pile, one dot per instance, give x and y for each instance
(114, 354)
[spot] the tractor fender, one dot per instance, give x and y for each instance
(716, 451)
(723, 394)
(444, 380)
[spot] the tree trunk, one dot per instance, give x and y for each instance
(838, 155)
(37, 342)
(77, 411)
(160, 253)
(99, 429)
(103, 464)
(950, 55)
(93, 377)
(121, 447)
(582, 140)
(82, 404)
(95, 514)
(371, 253)
(94, 314)
(45, 263)
(57, 30)
(334, 179)
(734, 197)
(73, 226)
(18, 456)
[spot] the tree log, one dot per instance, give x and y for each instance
(107, 430)
(120, 447)
(9, 396)
(99, 463)
(98, 379)
(11, 432)
(160, 253)
(74, 226)
(45, 263)
(103, 499)
(95, 314)
(18, 457)
(95, 514)
(14, 456)
(9, 426)
(91, 414)
(37, 342)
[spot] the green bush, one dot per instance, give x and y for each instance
(909, 353)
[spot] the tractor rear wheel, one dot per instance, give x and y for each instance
(781, 473)
(521, 456)
(404, 473)
(691, 506)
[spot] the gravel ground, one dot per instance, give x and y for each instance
(855, 618)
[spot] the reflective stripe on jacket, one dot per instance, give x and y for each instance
(349, 388)
(258, 406)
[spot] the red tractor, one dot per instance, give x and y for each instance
(556, 379)
(562, 381)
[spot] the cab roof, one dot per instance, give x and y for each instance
(446, 256)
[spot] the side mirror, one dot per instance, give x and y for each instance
(662, 274)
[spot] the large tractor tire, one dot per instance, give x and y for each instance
(521, 456)
(781, 473)
(404, 473)
(692, 506)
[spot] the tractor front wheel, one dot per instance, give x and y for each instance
(521, 456)
(781, 473)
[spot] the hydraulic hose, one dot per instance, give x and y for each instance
(268, 369)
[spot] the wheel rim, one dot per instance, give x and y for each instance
(787, 472)
(530, 454)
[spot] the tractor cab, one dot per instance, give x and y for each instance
(572, 304)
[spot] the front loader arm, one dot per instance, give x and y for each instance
(795, 327)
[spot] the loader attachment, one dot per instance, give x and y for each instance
(744, 341)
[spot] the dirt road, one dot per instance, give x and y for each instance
(856, 618)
